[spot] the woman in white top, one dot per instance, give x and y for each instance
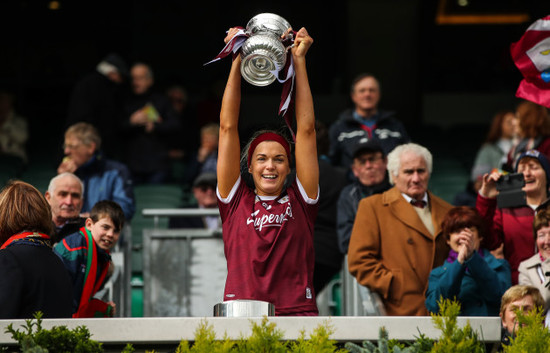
(535, 270)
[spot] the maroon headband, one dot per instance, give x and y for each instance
(268, 136)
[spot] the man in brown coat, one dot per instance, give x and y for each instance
(394, 245)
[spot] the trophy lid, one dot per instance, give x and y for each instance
(267, 22)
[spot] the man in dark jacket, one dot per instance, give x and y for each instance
(371, 177)
(64, 195)
(363, 123)
(149, 123)
(97, 99)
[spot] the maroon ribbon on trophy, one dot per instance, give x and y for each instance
(287, 97)
(233, 46)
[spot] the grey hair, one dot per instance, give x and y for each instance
(394, 158)
(86, 133)
(53, 182)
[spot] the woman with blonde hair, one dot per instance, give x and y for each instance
(523, 298)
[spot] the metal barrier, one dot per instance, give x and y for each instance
(118, 287)
(184, 270)
(156, 213)
(357, 300)
(352, 301)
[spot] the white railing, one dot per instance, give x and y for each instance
(172, 330)
(156, 213)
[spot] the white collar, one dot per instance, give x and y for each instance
(409, 199)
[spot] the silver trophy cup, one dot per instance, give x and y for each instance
(263, 52)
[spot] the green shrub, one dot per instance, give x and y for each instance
(59, 339)
(318, 342)
(532, 335)
(422, 344)
(454, 339)
(265, 338)
(205, 341)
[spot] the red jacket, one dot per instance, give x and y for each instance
(511, 226)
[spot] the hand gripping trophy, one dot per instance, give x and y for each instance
(263, 46)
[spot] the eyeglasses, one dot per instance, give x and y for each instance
(71, 147)
(370, 159)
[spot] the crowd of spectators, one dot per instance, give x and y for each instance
(399, 239)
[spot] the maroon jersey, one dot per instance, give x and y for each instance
(268, 245)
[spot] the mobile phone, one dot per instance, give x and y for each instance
(510, 193)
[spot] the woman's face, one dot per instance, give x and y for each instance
(269, 167)
(509, 126)
(535, 177)
(543, 241)
(456, 238)
(509, 320)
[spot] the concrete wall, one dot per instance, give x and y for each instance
(154, 331)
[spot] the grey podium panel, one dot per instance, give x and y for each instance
(184, 272)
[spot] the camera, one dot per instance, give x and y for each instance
(510, 190)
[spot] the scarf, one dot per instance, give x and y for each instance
(28, 238)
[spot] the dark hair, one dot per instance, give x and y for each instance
(23, 208)
(461, 217)
(533, 119)
(495, 131)
(247, 177)
(360, 77)
(111, 209)
(542, 219)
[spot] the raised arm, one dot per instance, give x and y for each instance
(229, 148)
(307, 168)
